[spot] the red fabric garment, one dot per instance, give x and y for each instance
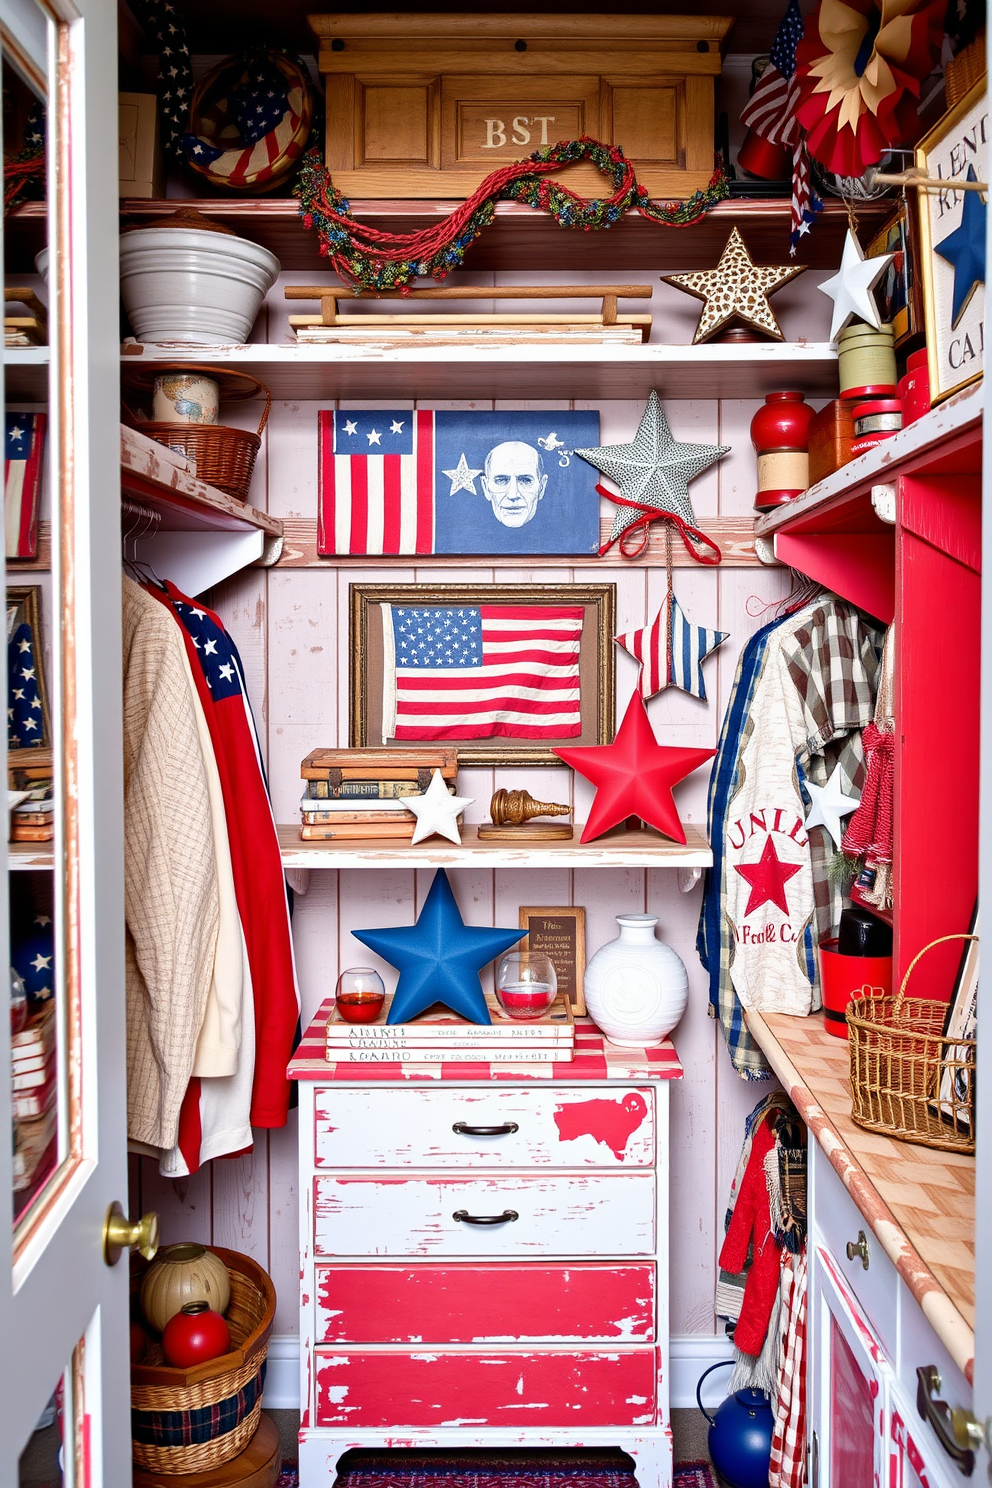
(751, 1223)
(258, 880)
(787, 1466)
(870, 828)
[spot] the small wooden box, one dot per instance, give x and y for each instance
(831, 434)
(428, 105)
(141, 169)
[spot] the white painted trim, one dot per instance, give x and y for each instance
(690, 1354)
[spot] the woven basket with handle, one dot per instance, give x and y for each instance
(908, 1078)
(192, 1420)
(225, 457)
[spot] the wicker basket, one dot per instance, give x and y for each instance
(224, 457)
(176, 1426)
(904, 1070)
(965, 70)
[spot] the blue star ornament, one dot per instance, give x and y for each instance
(964, 249)
(439, 958)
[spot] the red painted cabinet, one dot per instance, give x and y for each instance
(544, 1323)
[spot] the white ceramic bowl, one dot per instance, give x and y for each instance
(201, 288)
(41, 263)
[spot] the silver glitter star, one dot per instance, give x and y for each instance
(653, 469)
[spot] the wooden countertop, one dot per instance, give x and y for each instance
(919, 1203)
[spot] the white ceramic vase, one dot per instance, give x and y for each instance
(636, 986)
(196, 287)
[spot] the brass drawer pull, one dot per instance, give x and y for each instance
(942, 1418)
(859, 1249)
(464, 1130)
(463, 1217)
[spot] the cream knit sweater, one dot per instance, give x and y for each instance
(170, 886)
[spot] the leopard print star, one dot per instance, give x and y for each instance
(735, 290)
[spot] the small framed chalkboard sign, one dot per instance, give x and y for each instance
(560, 932)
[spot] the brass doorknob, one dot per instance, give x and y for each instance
(120, 1234)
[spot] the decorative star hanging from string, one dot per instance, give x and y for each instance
(964, 249)
(671, 651)
(851, 287)
(653, 470)
(735, 290)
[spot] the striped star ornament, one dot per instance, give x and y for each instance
(671, 651)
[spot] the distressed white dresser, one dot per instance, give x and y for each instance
(484, 1254)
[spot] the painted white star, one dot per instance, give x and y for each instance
(227, 671)
(210, 648)
(436, 811)
(41, 963)
(350, 427)
(396, 427)
(24, 646)
(851, 287)
(16, 433)
(462, 478)
(30, 723)
(829, 806)
(374, 437)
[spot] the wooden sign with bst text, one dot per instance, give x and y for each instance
(428, 105)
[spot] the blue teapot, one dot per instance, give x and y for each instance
(740, 1435)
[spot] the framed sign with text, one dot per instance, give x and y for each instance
(559, 932)
(952, 239)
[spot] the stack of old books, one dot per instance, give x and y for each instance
(355, 793)
(32, 1058)
(30, 777)
(440, 1036)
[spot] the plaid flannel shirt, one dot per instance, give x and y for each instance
(832, 659)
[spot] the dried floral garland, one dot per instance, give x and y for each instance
(24, 172)
(368, 258)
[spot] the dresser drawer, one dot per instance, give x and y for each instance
(448, 1388)
(837, 1221)
(504, 1303)
(582, 1214)
(560, 1128)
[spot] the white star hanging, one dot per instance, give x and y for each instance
(671, 651)
(653, 469)
(436, 811)
(462, 478)
(829, 805)
(851, 287)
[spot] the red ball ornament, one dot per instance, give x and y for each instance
(138, 1343)
(634, 776)
(194, 1335)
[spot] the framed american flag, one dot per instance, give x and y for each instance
(505, 672)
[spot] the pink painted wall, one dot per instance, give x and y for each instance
(291, 628)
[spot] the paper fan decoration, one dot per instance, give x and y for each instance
(860, 68)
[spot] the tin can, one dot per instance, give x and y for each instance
(866, 361)
(874, 422)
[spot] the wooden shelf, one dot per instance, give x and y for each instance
(27, 857)
(25, 373)
(520, 237)
(153, 476)
(620, 849)
(520, 372)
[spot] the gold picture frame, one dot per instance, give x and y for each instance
(898, 291)
(559, 932)
(596, 672)
(955, 348)
(24, 608)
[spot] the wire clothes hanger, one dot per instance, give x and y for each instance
(148, 521)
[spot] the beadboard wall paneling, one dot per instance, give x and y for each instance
(292, 629)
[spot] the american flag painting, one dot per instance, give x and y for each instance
(23, 451)
(25, 705)
(399, 481)
(481, 672)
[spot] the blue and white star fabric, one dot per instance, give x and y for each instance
(25, 714)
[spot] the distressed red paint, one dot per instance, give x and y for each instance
(439, 1304)
(550, 1388)
(611, 1122)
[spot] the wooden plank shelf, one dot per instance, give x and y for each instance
(25, 373)
(27, 857)
(734, 536)
(521, 237)
(521, 371)
(153, 477)
(619, 849)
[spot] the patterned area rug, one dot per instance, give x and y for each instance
(492, 1470)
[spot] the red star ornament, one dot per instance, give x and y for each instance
(634, 776)
(768, 878)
